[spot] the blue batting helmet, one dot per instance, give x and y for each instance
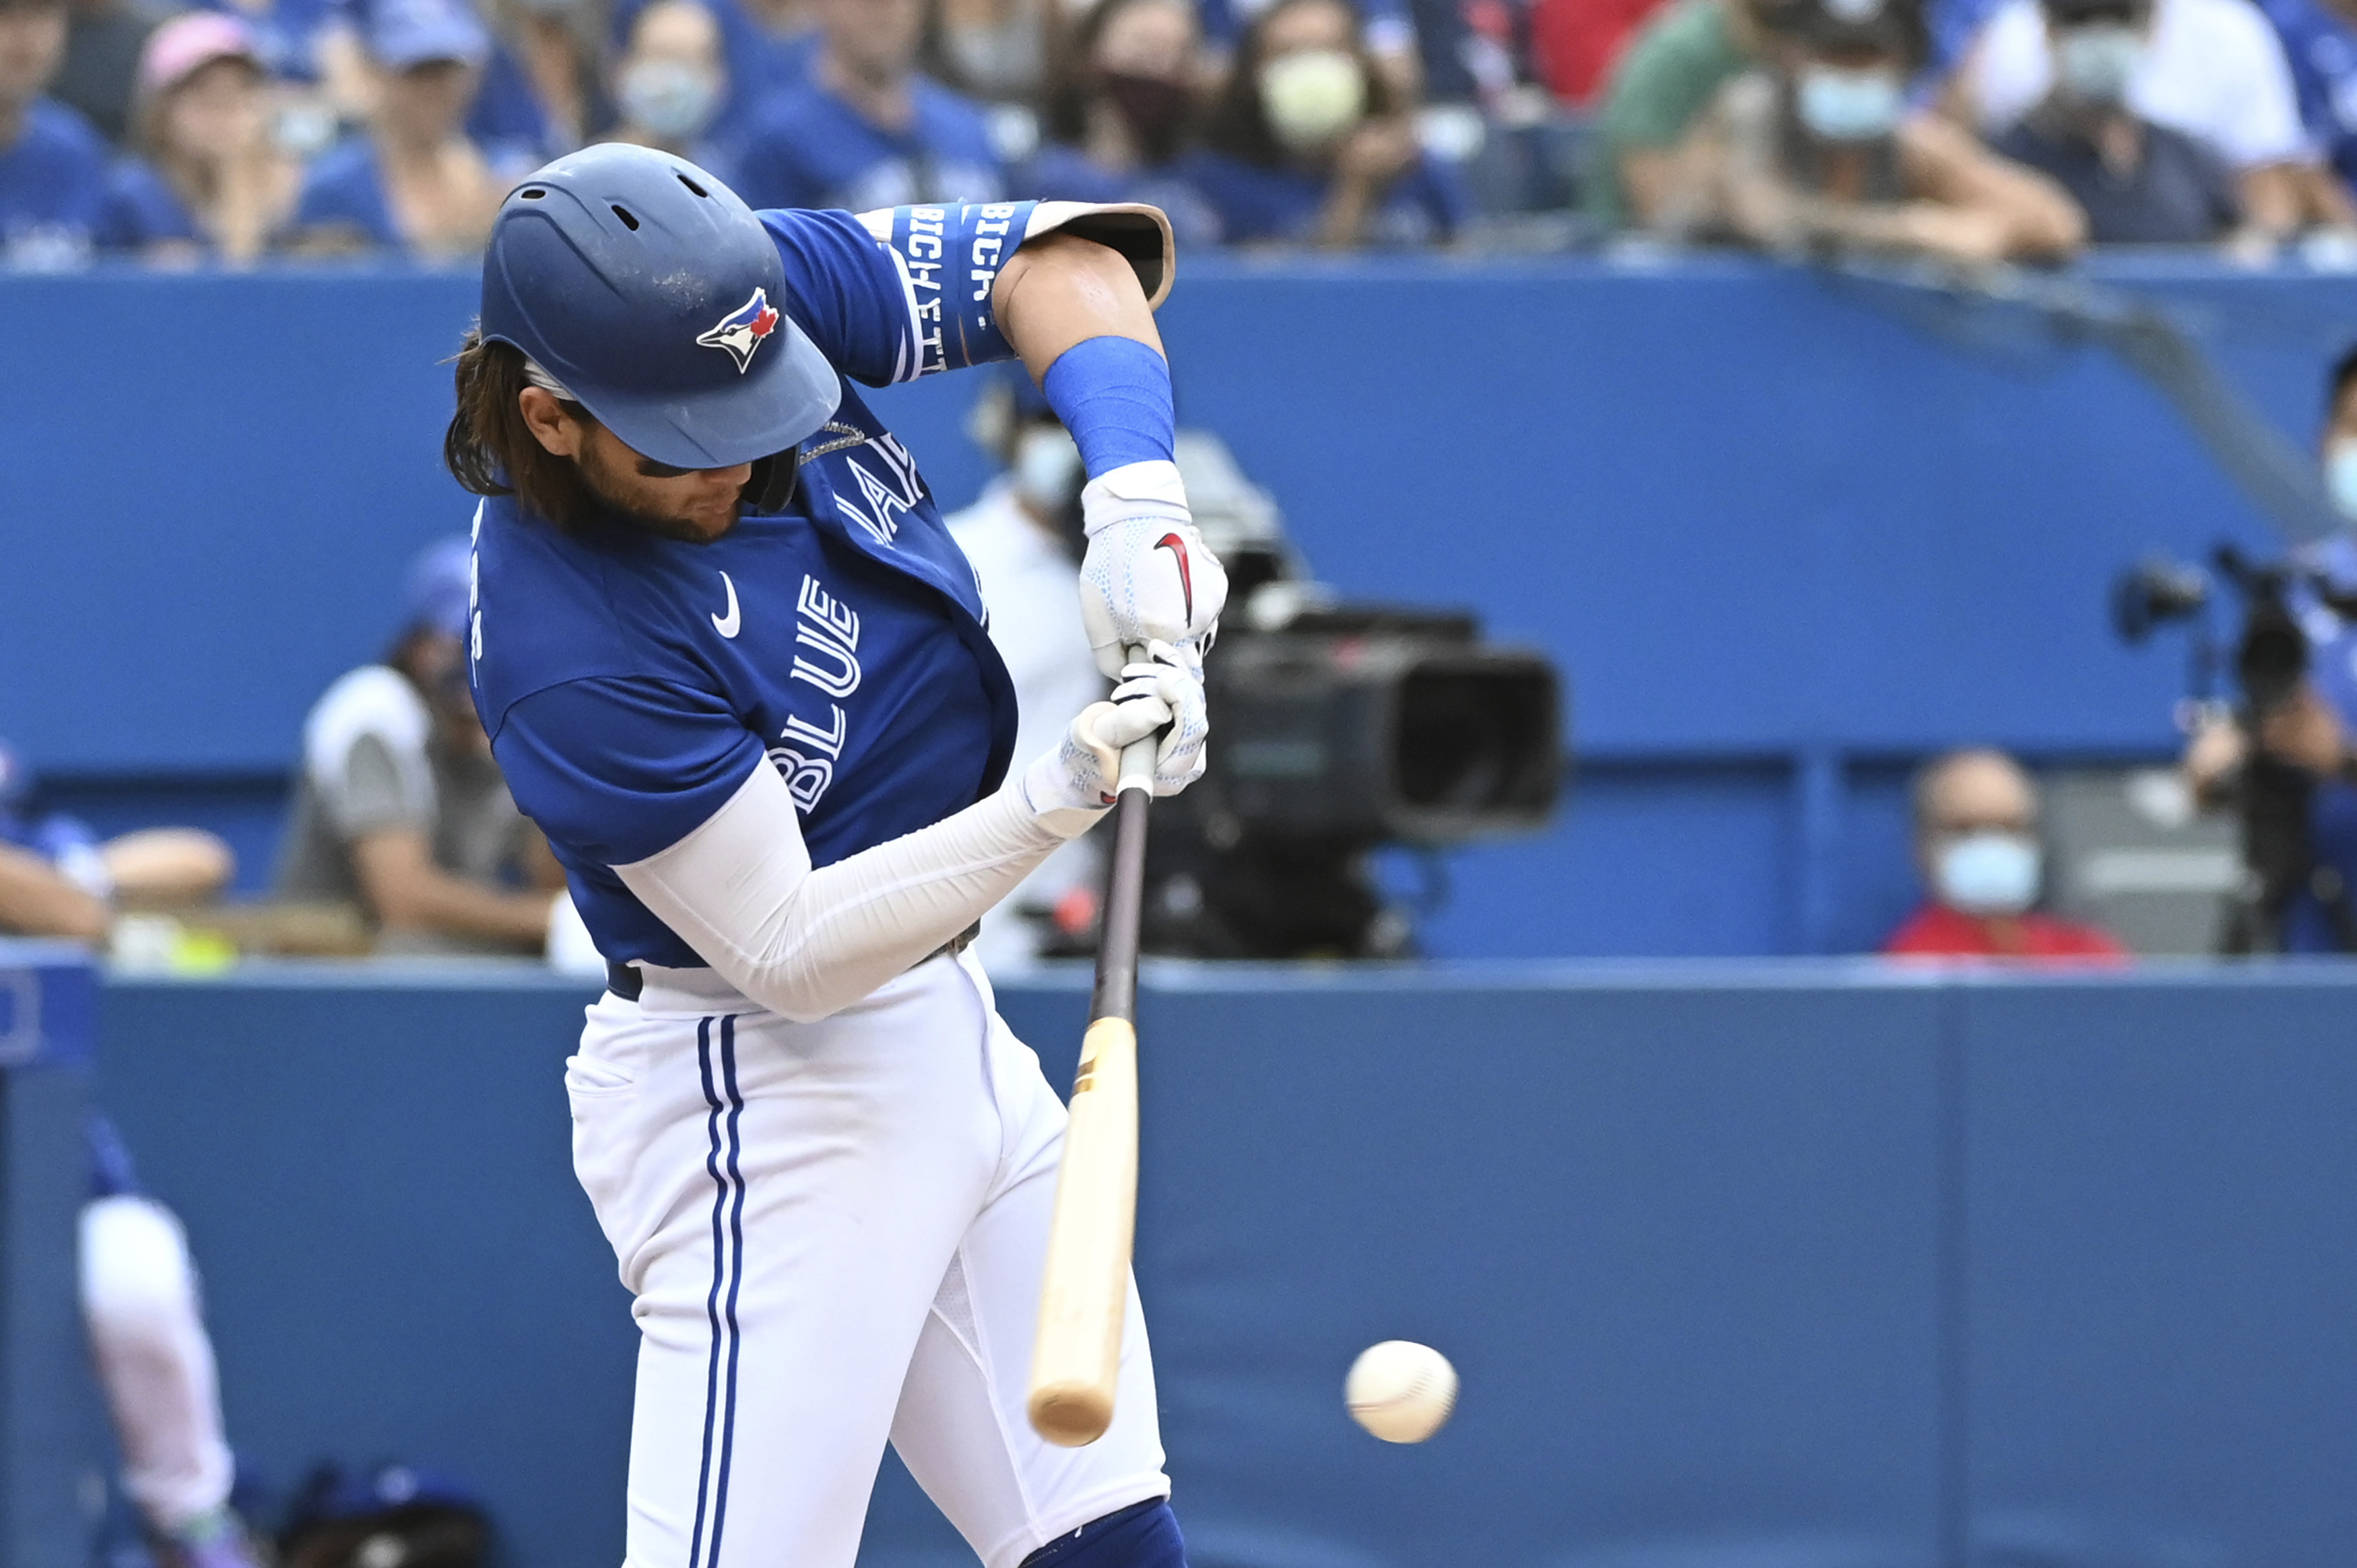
(651, 293)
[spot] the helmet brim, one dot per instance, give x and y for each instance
(785, 397)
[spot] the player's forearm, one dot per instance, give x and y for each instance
(1060, 291)
(34, 901)
(806, 944)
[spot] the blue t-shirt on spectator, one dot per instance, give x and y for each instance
(2321, 48)
(507, 121)
(811, 149)
(1426, 205)
(1061, 173)
(143, 209)
(344, 188)
(52, 189)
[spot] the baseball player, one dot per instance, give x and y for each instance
(733, 664)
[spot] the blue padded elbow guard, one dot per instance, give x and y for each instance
(1114, 395)
(1143, 1535)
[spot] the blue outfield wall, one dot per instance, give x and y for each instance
(1782, 1265)
(1784, 534)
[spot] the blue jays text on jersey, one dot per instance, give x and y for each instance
(630, 683)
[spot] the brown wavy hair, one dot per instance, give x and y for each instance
(490, 451)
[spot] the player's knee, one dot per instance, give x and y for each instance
(1143, 1535)
(136, 1273)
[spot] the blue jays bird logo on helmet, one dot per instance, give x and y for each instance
(742, 329)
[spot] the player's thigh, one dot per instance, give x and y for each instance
(961, 1427)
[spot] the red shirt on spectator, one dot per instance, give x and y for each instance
(1576, 41)
(1937, 931)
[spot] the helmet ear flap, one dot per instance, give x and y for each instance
(772, 484)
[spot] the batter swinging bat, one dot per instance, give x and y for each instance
(1077, 1357)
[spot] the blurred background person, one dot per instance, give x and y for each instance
(2137, 182)
(1976, 846)
(2319, 45)
(53, 164)
(1023, 538)
(1309, 143)
(1003, 55)
(207, 178)
(2210, 69)
(59, 879)
(1390, 36)
(671, 82)
(1659, 90)
(1575, 43)
(416, 181)
(399, 807)
(1820, 151)
(767, 47)
(2311, 907)
(542, 93)
(867, 130)
(104, 40)
(1122, 115)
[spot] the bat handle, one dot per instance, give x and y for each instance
(1116, 986)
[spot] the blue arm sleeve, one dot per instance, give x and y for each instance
(618, 769)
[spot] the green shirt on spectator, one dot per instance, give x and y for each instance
(1666, 78)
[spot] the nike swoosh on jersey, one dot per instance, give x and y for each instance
(726, 625)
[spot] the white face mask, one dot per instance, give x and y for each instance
(1312, 96)
(1987, 872)
(669, 99)
(1840, 105)
(2341, 474)
(2096, 63)
(1046, 467)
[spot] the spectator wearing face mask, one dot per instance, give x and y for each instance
(2210, 69)
(767, 48)
(211, 180)
(52, 164)
(1820, 152)
(996, 51)
(1124, 115)
(670, 81)
(867, 130)
(1976, 844)
(1308, 143)
(1023, 540)
(1389, 32)
(415, 182)
(2319, 45)
(2138, 183)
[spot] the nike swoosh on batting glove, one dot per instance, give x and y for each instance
(1147, 575)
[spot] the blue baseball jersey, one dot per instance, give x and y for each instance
(630, 683)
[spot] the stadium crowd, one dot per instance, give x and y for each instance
(1966, 129)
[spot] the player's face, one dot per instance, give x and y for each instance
(698, 505)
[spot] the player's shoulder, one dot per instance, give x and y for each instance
(551, 606)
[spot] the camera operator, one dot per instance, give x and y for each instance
(2308, 733)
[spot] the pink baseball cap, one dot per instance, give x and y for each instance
(187, 43)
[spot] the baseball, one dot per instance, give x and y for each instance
(1401, 1391)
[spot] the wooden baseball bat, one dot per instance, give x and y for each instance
(1076, 1359)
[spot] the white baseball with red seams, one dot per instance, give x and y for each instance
(1401, 1391)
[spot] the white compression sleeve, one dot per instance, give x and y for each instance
(805, 943)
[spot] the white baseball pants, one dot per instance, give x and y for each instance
(835, 1233)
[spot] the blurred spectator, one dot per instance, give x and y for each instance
(1023, 540)
(1124, 114)
(1310, 143)
(400, 808)
(1819, 151)
(52, 164)
(540, 93)
(1577, 41)
(2320, 44)
(1664, 83)
(2211, 68)
(768, 46)
(996, 51)
(867, 130)
(2315, 909)
(103, 40)
(1976, 844)
(2138, 183)
(211, 180)
(415, 182)
(58, 879)
(1387, 28)
(670, 84)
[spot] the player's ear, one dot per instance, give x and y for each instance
(550, 422)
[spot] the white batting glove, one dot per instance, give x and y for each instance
(1146, 576)
(1162, 692)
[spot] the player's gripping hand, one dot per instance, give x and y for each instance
(1146, 576)
(1162, 692)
